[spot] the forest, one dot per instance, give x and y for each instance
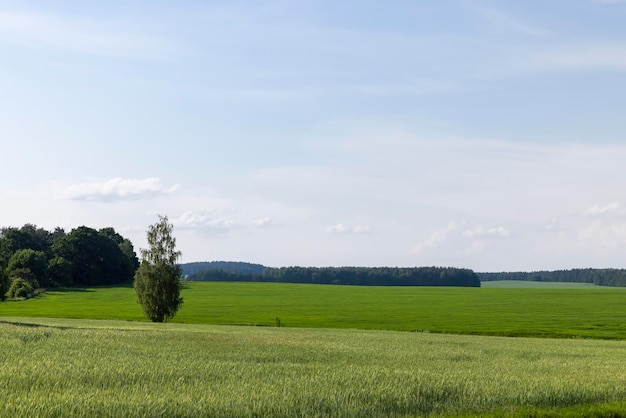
(32, 258)
(600, 277)
(236, 266)
(364, 276)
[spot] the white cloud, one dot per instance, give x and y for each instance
(552, 225)
(437, 238)
(341, 228)
(601, 235)
(338, 228)
(116, 189)
(360, 229)
(204, 220)
(480, 232)
(219, 220)
(263, 222)
(600, 210)
(457, 238)
(594, 237)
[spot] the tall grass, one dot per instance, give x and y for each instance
(126, 369)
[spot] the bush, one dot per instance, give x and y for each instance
(22, 273)
(32, 263)
(19, 288)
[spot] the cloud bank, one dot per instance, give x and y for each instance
(218, 220)
(117, 189)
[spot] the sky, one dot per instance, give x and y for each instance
(481, 134)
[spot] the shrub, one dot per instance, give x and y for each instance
(29, 265)
(19, 288)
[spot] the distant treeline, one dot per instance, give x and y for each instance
(364, 276)
(600, 277)
(231, 266)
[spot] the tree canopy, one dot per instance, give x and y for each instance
(363, 276)
(82, 257)
(95, 256)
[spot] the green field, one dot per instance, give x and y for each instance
(590, 312)
(527, 284)
(64, 368)
(337, 354)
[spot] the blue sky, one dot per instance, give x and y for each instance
(480, 134)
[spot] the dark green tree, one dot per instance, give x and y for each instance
(125, 246)
(4, 285)
(39, 237)
(11, 240)
(157, 280)
(129, 251)
(122, 259)
(60, 272)
(95, 257)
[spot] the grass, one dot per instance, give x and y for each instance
(65, 368)
(97, 366)
(526, 284)
(585, 312)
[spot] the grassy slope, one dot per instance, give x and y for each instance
(592, 312)
(140, 369)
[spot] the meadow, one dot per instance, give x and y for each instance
(65, 368)
(527, 284)
(339, 352)
(591, 312)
